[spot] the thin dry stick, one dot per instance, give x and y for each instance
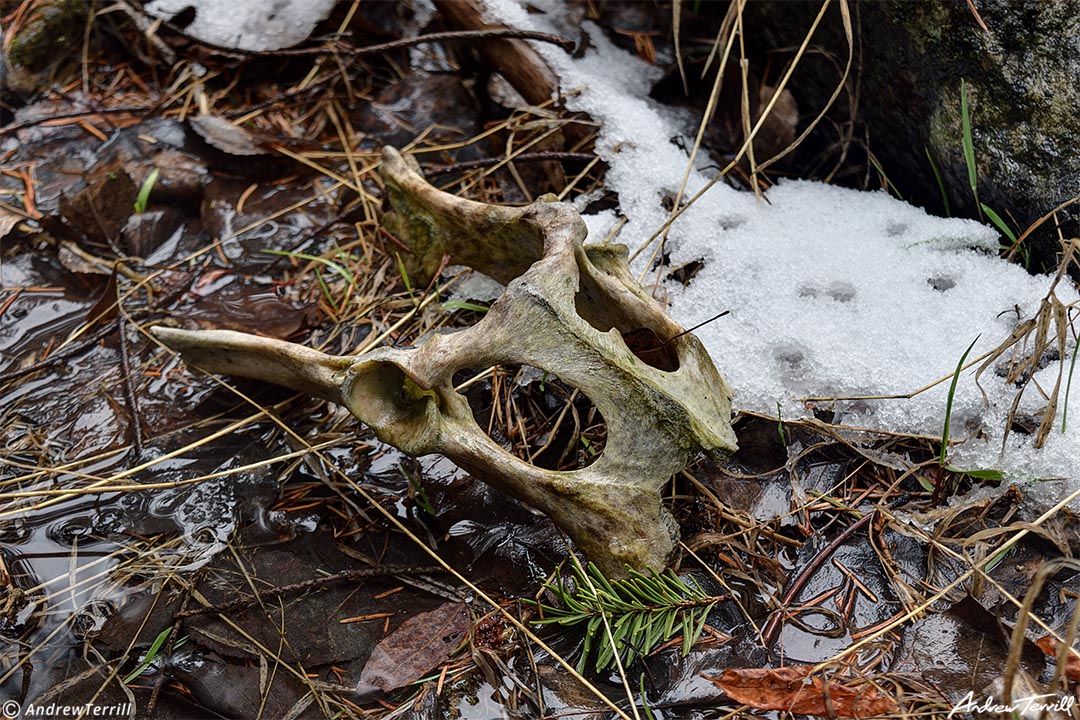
(433, 170)
(807, 572)
(510, 157)
(273, 592)
(962, 578)
(337, 48)
(1011, 254)
(904, 396)
(300, 675)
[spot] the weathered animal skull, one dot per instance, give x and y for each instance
(568, 309)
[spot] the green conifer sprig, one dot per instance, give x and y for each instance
(643, 611)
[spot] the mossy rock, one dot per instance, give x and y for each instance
(1021, 86)
(48, 35)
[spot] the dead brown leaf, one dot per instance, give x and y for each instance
(227, 137)
(791, 689)
(8, 221)
(1072, 662)
(420, 644)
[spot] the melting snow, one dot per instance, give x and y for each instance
(832, 292)
(253, 25)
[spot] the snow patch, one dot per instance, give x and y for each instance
(832, 292)
(252, 25)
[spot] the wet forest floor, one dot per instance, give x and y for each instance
(179, 545)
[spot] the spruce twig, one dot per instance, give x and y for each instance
(643, 611)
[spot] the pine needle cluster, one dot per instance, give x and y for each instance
(642, 612)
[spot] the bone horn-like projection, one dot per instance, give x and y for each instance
(568, 309)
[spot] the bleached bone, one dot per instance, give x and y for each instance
(568, 309)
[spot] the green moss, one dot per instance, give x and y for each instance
(51, 32)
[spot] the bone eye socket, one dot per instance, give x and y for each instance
(534, 415)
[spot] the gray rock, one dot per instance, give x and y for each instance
(1021, 76)
(48, 36)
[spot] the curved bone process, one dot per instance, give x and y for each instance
(567, 309)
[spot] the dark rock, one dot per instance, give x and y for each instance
(49, 34)
(910, 59)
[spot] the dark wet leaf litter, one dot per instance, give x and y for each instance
(94, 579)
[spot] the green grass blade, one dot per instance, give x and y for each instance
(940, 183)
(949, 401)
(644, 698)
(150, 656)
(969, 145)
(326, 292)
(780, 425)
(996, 558)
(881, 172)
(1068, 384)
(996, 219)
(459, 305)
(405, 276)
(143, 198)
(977, 474)
(339, 269)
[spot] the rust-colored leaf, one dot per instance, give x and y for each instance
(1072, 661)
(419, 645)
(791, 689)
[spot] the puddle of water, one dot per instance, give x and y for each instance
(75, 561)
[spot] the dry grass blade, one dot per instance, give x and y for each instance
(845, 15)
(1017, 640)
(1030, 343)
(1010, 254)
(726, 37)
(676, 29)
(945, 591)
(763, 116)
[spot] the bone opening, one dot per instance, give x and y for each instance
(605, 313)
(399, 410)
(534, 415)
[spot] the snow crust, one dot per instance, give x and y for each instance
(832, 292)
(253, 25)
